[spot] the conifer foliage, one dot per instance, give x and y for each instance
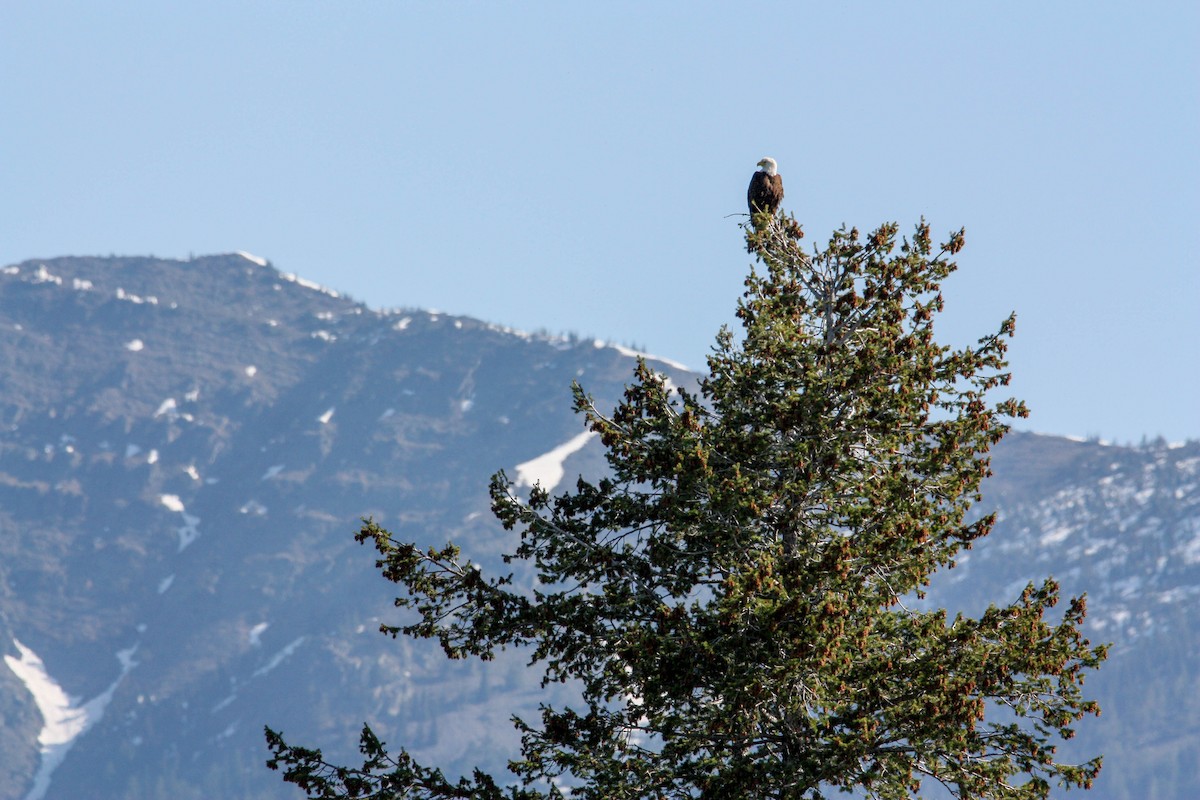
(739, 598)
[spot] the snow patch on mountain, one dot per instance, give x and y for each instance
(628, 351)
(279, 657)
(1055, 535)
(136, 299)
(63, 719)
(547, 469)
(188, 532)
(253, 508)
(43, 275)
(255, 634)
(224, 703)
(262, 262)
(307, 284)
(166, 408)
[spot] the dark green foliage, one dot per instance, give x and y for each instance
(731, 598)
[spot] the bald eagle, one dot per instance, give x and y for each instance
(766, 189)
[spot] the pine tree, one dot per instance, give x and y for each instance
(739, 597)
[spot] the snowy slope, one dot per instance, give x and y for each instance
(186, 449)
(196, 494)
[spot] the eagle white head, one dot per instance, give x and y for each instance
(769, 166)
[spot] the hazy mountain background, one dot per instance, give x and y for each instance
(186, 448)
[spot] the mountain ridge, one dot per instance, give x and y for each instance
(186, 448)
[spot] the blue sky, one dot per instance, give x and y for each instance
(574, 167)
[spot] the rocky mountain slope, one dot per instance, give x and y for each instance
(186, 449)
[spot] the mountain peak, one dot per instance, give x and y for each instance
(187, 447)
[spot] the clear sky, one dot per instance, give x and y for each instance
(580, 167)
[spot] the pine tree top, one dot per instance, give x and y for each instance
(733, 598)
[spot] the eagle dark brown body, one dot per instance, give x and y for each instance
(766, 189)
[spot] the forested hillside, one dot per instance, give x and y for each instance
(186, 449)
